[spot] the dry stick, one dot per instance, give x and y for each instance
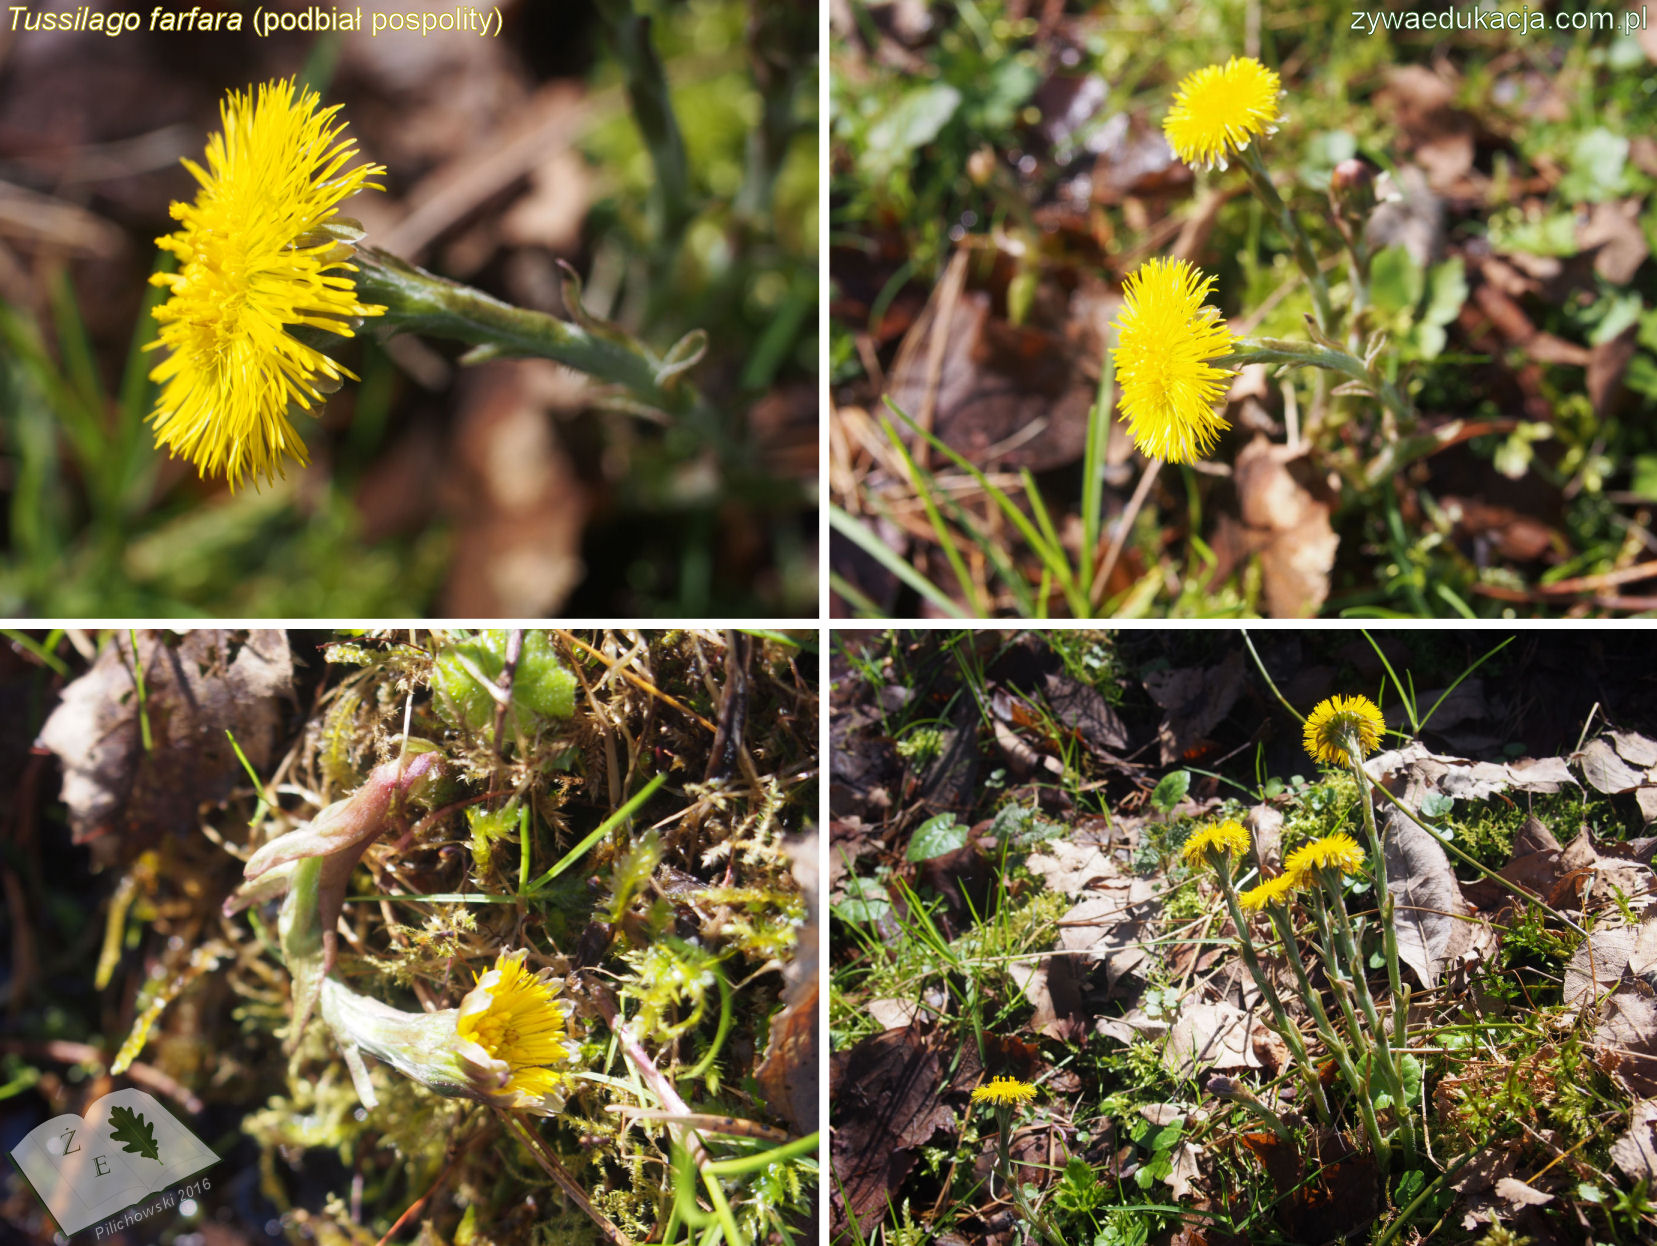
(638, 682)
(509, 671)
(549, 1162)
(1142, 490)
(414, 1207)
(65, 1052)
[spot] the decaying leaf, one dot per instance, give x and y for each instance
(1285, 511)
(1182, 1169)
(1605, 771)
(1598, 964)
(886, 1105)
(1211, 1036)
(1635, 1152)
(1193, 702)
(1469, 780)
(1072, 867)
(1428, 908)
(1596, 877)
(196, 687)
(1516, 1192)
(788, 1073)
(1112, 926)
(1625, 1041)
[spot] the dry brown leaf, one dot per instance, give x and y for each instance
(1634, 748)
(519, 507)
(887, 1103)
(997, 393)
(1211, 1036)
(1607, 362)
(1613, 231)
(1428, 907)
(1516, 1192)
(1635, 1152)
(196, 687)
(1193, 702)
(1605, 771)
(1132, 1027)
(1469, 780)
(1285, 511)
(893, 1014)
(1625, 1041)
(1071, 867)
(1265, 827)
(1598, 964)
(1182, 1169)
(788, 1073)
(1111, 926)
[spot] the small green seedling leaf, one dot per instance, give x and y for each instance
(1171, 790)
(866, 902)
(135, 1134)
(1436, 804)
(935, 837)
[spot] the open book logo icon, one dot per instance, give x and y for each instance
(125, 1148)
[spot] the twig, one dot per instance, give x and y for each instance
(146, 1075)
(514, 650)
(635, 680)
(549, 1162)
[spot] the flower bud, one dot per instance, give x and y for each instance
(1352, 191)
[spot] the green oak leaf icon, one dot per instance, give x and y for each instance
(134, 1133)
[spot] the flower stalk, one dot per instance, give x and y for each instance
(1261, 182)
(417, 301)
(1285, 1025)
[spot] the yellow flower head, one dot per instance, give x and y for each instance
(1334, 852)
(254, 267)
(1166, 336)
(1227, 837)
(1219, 109)
(1005, 1091)
(1270, 892)
(515, 1036)
(1339, 721)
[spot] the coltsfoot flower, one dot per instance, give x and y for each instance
(257, 262)
(515, 1036)
(1257, 898)
(1004, 1092)
(509, 1044)
(1228, 837)
(1220, 109)
(1339, 721)
(1335, 852)
(1166, 338)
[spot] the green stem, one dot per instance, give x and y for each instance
(1302, 248)
(1513, 889)
(1307, 355)
(1331, 1038)
(1286, 1027)
(1383, 897)
(1355, 984)
(417, 301)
